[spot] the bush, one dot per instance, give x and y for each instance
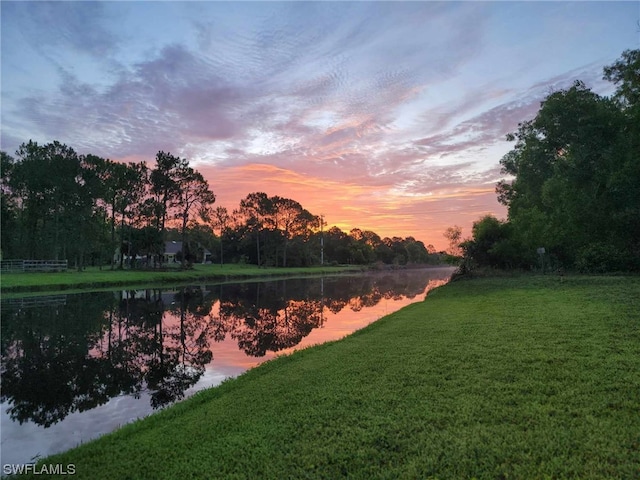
(601, 258)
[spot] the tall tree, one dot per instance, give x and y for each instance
(192, 197)
(562, 163)
(124, 190)
(336, 246)
(164, 185)
(625, 74)
(56, 200)
(254, 209)
(220, 221)
(576, 174)
(292, 220)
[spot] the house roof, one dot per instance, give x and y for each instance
(172, 247)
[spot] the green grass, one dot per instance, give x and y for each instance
(95, 278)
(523, 378)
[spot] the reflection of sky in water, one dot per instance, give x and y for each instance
(20, 443)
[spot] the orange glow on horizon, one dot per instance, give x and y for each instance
(368, 207)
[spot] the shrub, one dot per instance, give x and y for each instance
(601, 258)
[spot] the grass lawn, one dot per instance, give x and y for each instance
(523, 378)
(93, 277)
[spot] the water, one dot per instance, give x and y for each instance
(77, 366)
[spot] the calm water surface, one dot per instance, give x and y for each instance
(77, 366)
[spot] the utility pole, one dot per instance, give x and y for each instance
(322, 239)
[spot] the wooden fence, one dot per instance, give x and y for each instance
(9, 266)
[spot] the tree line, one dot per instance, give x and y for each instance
(574, 197)
(58, 204)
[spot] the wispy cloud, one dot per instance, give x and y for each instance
(394, 110)
(57, 26)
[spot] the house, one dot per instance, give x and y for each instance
(172, 248)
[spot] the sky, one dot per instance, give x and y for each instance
(385, 116)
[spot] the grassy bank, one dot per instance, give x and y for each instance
(96, 278)
(492, 378)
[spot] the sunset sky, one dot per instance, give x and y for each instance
(389, 116)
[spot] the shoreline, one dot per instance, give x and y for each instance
(69, 282)
(99, 279)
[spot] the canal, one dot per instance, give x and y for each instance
(77, 366)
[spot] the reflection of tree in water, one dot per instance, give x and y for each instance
(78, 355)
(46, 370)
(165, 357)
(266, 317)
(274, 316)
(271, 330)
(182, 350)
(359, 292)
